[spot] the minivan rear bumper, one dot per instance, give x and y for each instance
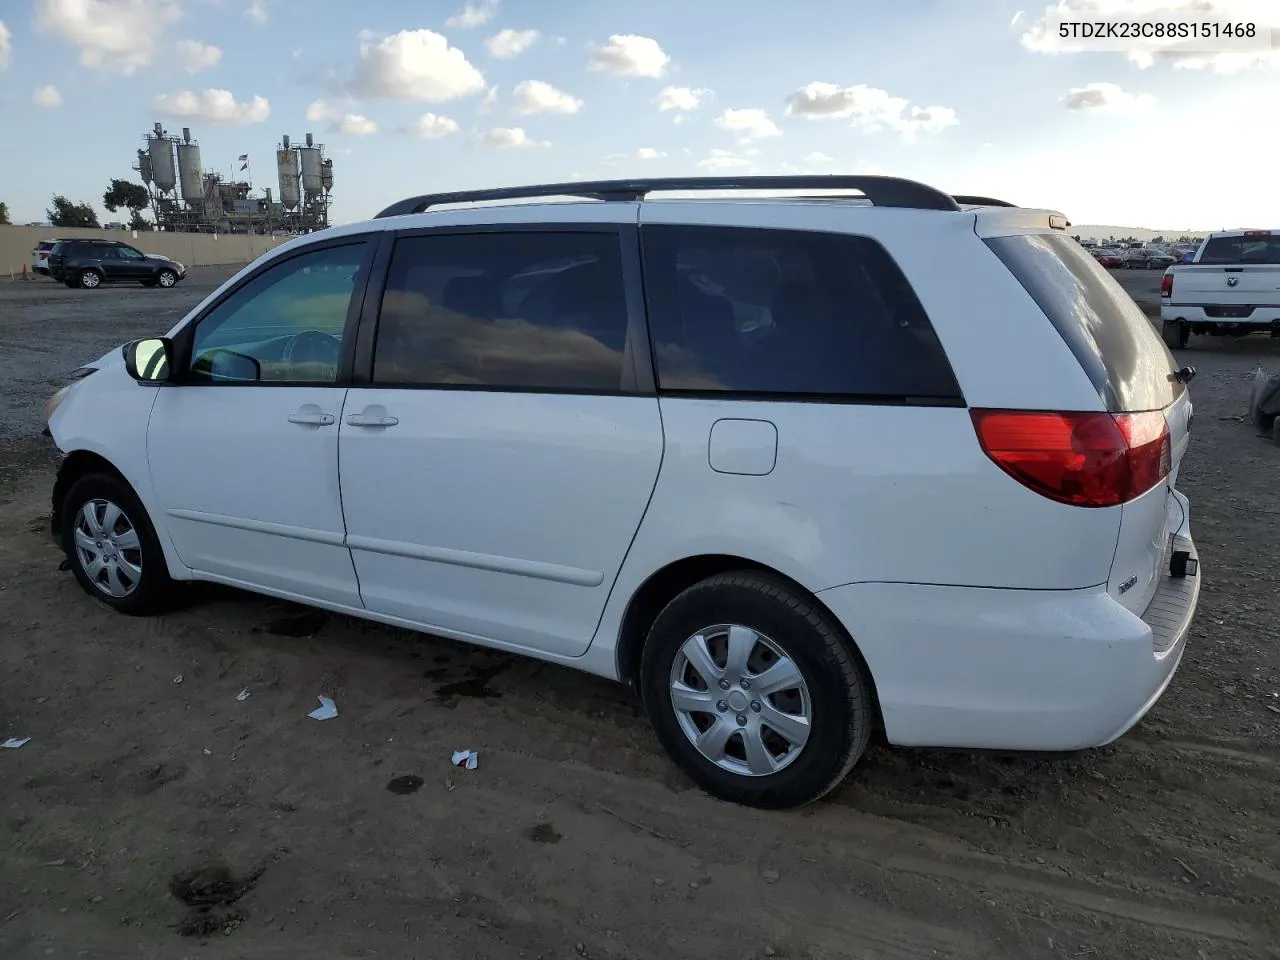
(979, 668)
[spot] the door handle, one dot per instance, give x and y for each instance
(311, 419)
(371, 420)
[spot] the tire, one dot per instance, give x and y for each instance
(833, 686)
(166, 279)
(141, 583)
(149, 283)
(1175, 334)
(70, 283)
(89, 279)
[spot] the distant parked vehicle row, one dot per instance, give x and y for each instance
(91, 263)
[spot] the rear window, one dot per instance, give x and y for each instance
(1115, 343)
(1241, 250)
(778, 313)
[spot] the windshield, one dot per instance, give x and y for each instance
(1111, 337)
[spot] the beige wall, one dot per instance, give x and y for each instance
(192, 249)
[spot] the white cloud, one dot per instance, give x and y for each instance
(506, 44)
(48, 97)
(648, 153)
(6, 47)
(535, 96)
(1042, 36)
(509, 138)
(256, 12)
(119, 35)
(630, 56)
(680, 98)
(322, 110)
(354, 125)
(819, 157)
(196, 56)
(1013, 22)
(473, 15)
(1106, 97)
(211, 106)
(749, 124)
(870, 108)
(367, 34)
(432, 126)
(415, 65)
(490, 102)
(723, 160)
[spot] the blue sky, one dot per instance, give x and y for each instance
(970, 95)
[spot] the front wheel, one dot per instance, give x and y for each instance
(166, 278)
(111, 546)
(755, 692)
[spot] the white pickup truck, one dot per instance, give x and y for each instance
(1230, 288)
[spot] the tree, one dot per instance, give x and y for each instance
(132, 196)
(138, 222)
(4, 215)
(64, 213)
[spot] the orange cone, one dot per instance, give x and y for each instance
(24, 272)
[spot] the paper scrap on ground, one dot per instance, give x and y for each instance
(13, 743)
(178, 678)
(466, 758)
(326, 711)
(242, 695)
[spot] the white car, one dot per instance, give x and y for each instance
(799, 468)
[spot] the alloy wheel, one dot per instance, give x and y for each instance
(741, 700)
(108, 548)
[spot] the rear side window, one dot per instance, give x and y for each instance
(534, 311)
(1115, 343)
(1262, 249)
(787, 313)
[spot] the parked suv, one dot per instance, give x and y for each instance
(799, 468)
(91, 263)
(40, 257)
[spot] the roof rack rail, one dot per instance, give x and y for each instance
(969, 200)
(881, 191)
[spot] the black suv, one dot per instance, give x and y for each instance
(91, 263)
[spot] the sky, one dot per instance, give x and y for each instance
(420, 96)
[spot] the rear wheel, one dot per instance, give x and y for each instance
(1175, 333)
(111, 546)
(149, 283)
(166, 278)
(90, 279)
(755, 692)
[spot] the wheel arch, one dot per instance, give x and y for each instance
(664, 584)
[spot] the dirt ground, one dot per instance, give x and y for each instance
(154, 814)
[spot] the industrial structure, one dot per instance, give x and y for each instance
(187, 198)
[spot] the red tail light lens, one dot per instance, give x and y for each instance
(1166, 285)
(1082, 459)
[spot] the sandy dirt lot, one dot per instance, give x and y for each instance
(153, 814)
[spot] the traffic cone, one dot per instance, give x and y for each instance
(24, 272)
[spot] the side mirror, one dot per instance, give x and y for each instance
(150, 360)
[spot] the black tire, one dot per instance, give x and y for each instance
(1175, 334)
(148, 283)
(89, 279)
(839, 688)
(167, 279)
(70, 283)
(153, 589)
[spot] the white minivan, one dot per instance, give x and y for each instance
(801, 468)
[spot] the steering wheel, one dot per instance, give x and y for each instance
(312, 346)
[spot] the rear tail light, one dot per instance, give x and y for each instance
(1166, 285)
(1082, 459)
